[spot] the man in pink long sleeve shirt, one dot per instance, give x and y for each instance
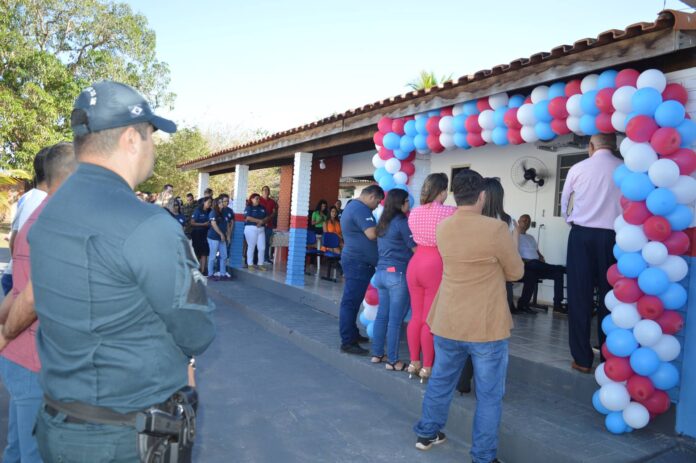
(595, 205)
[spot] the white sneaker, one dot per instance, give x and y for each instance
(216, 274)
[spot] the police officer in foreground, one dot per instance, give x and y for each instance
(120, 301)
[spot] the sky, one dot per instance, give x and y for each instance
(239, 65)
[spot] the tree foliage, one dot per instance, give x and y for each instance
(428, 80)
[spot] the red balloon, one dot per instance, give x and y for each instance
(636, 212)
(559, 127)
(472, 125)
(657, 403)
(639, 387)
(603, 122)
(670, 321)
(613, 274)
(385, 154)
(446, 111)
(618, 368)
(557, 107)
(641, 128)
(398, 126)
(433, 141)
(627, 290)
(573, 88)
(627, 77)
(685, 159)
(482, 104)
(510, 119)
(433, 125)
(528, 100)
(411, 156)
(656, 228)
(603, 100)
(650, 307)
(407, 167)
(378, 138)
(474, 139)
(371, 296)
(384, 125)
(515, 136)
(665, 141)
(624, 202)
(605, 352)
(677, 243)
(675, 92)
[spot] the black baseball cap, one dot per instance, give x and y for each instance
(108, 105)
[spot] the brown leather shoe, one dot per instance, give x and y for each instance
(577, 367)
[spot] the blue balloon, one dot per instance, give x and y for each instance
(515, 101)
(387, 182)
(401, 155)
(615, 423)
(410, 128)
(665, 377)
(608, 325)
(458, 122)
(557, 89)
(629, 429)
(621, 342)
(680, 218)
(470, 108)
(674, 297)
(499, 116)
(400, 186)
(406, 145)
(421, 126)
(631, 264)
(620, 173)
(670, 113)
(363, 319)
(391, 141)
(379, 173)
(588, 124)
(541, 111)
(500, 136)
(661, 201)
(460, 141)
(598, 404)
(607, 79)
(543, 131)
(636, 186)
(373, 280)
(370, 330)
(588, 104)
(421, 141)
(434, 113)
(411, 200)
(653, 281)
(687, 130)
(646, 100)
(618, 252)
(644, 361)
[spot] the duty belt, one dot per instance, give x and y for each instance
(80, 413)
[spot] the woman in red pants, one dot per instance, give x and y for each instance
(425, 271)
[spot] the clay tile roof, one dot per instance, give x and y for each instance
(678, 20)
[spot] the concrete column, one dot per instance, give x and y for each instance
(301, 181)
(422, 165)
(241, 180)
(203, 181)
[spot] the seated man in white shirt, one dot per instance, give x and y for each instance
(535, 267)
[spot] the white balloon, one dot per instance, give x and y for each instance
(618, 121)
(652, 78)
(675, 267)
(447, 124)
(667, 348)
(610, 301)
(377, 213)
(400, 178)
(614, 396)
(458, 109)
(619, 223)
(647, 332)
(684, 189)
(540, 93)
(525, 114)
(486, 120)
(631, 238)
(377, 161)
(447, 140)
(420, 116)
(487, 135)
(589, 83)
(621, 99)
(626, 145)
(663, 173)
(600, 376)
(573, 105)
(625, 316)
(498, 100)
(392, 165)
(636, 415)
(655, 253)
(370, 311)
(528, 134)
(640, 157)
(573, 123)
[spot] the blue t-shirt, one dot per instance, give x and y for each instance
(200, 216)
(181, 219)
(395, 246)
(229, 214)
(221, 222)
(257, 212)
(357, 218)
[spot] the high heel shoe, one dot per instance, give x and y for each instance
(424, 374)
(413, 369)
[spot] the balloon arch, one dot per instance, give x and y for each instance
(657, 196)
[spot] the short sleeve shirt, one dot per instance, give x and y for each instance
(528, 247)
(270, 205)
(229, 214)
(357, 218)
(220, 220)
(423, 221)
(257, 212)
(395, 245)
(200, 216)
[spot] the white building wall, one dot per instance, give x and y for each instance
(358, 164)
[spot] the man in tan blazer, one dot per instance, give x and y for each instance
(470, 317)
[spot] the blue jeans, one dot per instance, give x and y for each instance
(6, 282)
(357, 276)
(267, 250)
(394, 302)
(215, 246)
(25, 399)
(490, 368)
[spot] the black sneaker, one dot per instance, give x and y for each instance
(526, 309)
(354, 349)
(361, 338)
(424, 443)
(561, 308)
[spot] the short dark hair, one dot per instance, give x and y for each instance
(39, 169)
(373, 190)
(105, 141)
(167, 186)
(467, 185)
(189, 195)
(208, 190)
(60, 162)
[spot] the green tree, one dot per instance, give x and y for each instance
(427, 80)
